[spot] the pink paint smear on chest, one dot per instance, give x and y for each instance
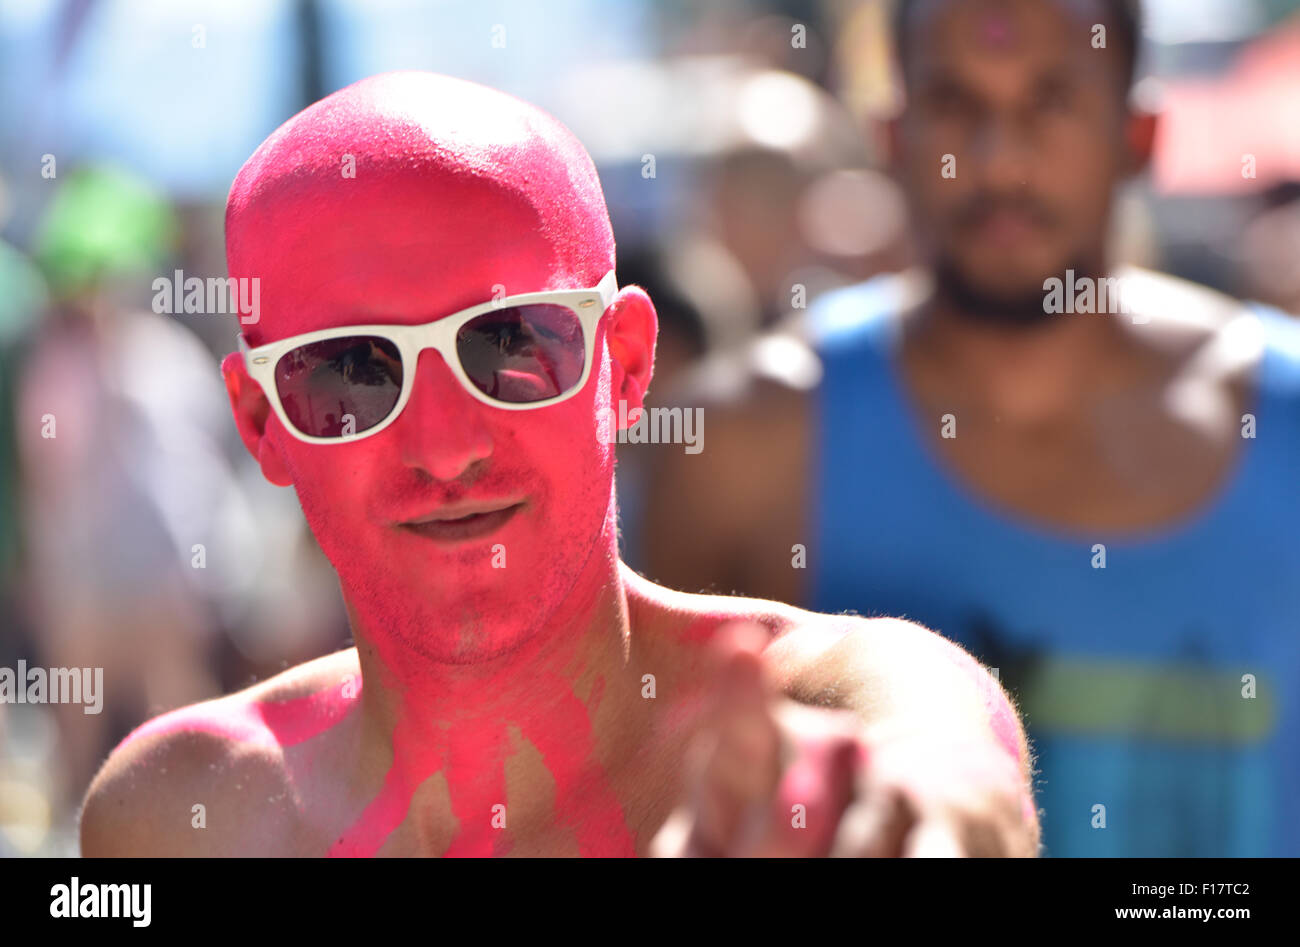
(583, 800)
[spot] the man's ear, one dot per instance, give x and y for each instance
(633, 328)
(251, 409)
(1140, 137)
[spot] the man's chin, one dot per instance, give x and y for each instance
(460, 616)
(1018, 303)
(477, 637)
(464, 603)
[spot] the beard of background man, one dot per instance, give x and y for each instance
(977, 305)
(971, 298)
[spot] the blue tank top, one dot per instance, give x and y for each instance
(1135, 680)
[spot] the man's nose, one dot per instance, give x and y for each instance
(1004, 153)
(442, 427)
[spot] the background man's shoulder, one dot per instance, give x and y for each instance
(780, 368)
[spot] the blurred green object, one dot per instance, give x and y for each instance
(102, 222)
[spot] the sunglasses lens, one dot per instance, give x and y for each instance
(522, 354)
(339, 386)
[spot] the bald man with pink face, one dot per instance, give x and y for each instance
(436, 370)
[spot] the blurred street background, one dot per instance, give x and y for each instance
(125, 121)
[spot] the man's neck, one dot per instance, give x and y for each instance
(1018, 376)
(556, 715)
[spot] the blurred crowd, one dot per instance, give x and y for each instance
(741, 149)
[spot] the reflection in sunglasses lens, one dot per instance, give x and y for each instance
(339, 386)
(522, 354)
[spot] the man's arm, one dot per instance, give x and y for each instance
(852, 737)
(727, 519)
(897, 676)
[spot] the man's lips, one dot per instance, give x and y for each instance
(1007, 226)
(462, 521)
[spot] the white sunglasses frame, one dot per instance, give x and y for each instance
(588, 304)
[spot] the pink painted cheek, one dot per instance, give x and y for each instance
(331, 483)
(564, 461)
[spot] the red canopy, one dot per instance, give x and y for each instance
(1207, 127)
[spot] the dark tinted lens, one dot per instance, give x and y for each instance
(520, 354)
(324, 385)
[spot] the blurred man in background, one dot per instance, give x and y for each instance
(1097, 499)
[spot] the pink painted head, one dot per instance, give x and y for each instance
(400, 199)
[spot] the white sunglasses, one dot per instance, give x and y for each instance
(519, 352)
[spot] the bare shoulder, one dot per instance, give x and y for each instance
(797, 638)
(203, 780)
(1170, 300)
(891, 672)
(158, 793)
(1208, 334)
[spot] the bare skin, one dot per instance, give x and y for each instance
(265, 799)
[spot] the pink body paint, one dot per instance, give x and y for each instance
(565, 743)
(388, 809)
(270, 723)
(583, 801)
(460, 194)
